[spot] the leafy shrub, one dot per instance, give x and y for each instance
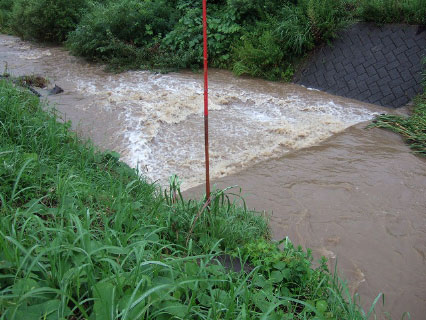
(274, 261)
(5, 13)
(46, 20)
(259, 53)
(186, 39)
(254, 10)
(127, 31)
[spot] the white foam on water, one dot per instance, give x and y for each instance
(160, 117)
(312, 89)
(35, 54)
(163, 119)
(26, 51)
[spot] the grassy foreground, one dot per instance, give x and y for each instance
(83, 236)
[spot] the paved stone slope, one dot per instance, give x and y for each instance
(380, 65)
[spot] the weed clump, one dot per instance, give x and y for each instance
(394, 11)
(412, 128)
(33, 81)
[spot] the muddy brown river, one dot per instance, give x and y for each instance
(356, 196)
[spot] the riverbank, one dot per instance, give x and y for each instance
(264, 39)
(83, 235)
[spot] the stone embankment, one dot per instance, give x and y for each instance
(375, 64)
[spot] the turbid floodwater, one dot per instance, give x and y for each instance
(353, 195)
(358, 198)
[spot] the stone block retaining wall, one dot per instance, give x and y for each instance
(375, 64)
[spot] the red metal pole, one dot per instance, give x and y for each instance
(206, 102)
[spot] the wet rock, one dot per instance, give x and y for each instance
(34, 91)
(231, 263)
(55, 90)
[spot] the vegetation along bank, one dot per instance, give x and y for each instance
(258, 38)
(412, 128)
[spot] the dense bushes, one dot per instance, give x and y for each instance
(46, 20)
(5, 14)
(326, 17)
(259, 54)
(187, 39)
(274, 44)
(127, 32)
(254, 37)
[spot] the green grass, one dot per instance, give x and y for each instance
(83, 236)
(412, 128)
(393, 11)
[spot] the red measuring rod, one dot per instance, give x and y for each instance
(206, 101)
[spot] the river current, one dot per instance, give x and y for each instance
(353, 195)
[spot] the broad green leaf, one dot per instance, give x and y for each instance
(259, 281)
(220, 295)
(104, 306)
(47, 311)
(280, 265)
(285, 292)
(276, 276)
(175, 308)
(215, 269)
(125, 302)
(286, 273)
(261, 302)
(191, 268)
(204, 299)
(22, 286)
